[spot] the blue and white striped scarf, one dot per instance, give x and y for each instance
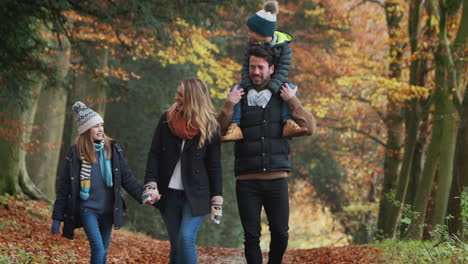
(85, 172)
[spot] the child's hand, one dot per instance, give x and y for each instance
(153, 198)
(287, 93)
(150, 194)
(235, 95)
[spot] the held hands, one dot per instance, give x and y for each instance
(150, 194)
(286, 92)
(235, 94)
(216, 209)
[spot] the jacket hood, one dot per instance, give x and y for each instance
(282, 37)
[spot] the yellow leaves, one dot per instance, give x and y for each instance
(316, 12)
(321, 106)
(434, 22)
(378, 89)
(189, 44)
(312, 165)
(73, 16)
(117, 73)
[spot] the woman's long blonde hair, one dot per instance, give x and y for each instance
(85, 147)
(197, 108)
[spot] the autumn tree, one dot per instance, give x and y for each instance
(446, 97)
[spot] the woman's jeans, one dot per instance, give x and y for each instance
(98, 229)
(182, 228)
(285, 114)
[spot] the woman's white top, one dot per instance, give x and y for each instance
(176, 178)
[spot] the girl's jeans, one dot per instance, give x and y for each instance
(285, 114)
(182, 228)
(98, 229)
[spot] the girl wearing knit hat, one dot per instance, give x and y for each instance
(89, 192)
(183, 170)
(262, 31)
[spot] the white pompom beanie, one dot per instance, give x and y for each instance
(86, 118)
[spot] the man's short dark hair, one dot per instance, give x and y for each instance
(262, 51)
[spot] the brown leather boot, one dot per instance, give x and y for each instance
(292, 129)
(233, 133)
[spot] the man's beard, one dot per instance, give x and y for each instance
(262, 83)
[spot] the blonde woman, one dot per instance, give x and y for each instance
(183, 170)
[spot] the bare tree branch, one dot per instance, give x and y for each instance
(363, 100)
(360, 132)
(365, 1)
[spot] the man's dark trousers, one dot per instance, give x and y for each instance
(273, 196)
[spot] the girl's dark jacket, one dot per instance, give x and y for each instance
(201, 167)
(67, 203)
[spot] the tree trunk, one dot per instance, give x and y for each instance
(412, 118)
(394, 123)
(13, 175)
(428, 174)
(90, 88)
(453, 77)
(460, 173)
(13, 149)
(50, 117)
(417, 164)
(419, 77)
(10, 147)
(446, 162)
(27, 186)
(442, 145)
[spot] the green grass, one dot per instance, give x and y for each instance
(20, 256)
(422, 252)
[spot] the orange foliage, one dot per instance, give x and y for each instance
(109, 37)
(348, 115)
(14, 132)
(92, 101)
(25, 237)
(335, 40)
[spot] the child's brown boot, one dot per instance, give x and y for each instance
(292, 129)
(233, 133)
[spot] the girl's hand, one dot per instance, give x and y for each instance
(154, 198)
(150, 194)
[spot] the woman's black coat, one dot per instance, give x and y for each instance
(201, 167)
(67, 203)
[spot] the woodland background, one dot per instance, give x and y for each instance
(386, 81)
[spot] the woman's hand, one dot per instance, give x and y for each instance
(216, 209)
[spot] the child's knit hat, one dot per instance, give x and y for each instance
(86, 118)
(264, 21)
